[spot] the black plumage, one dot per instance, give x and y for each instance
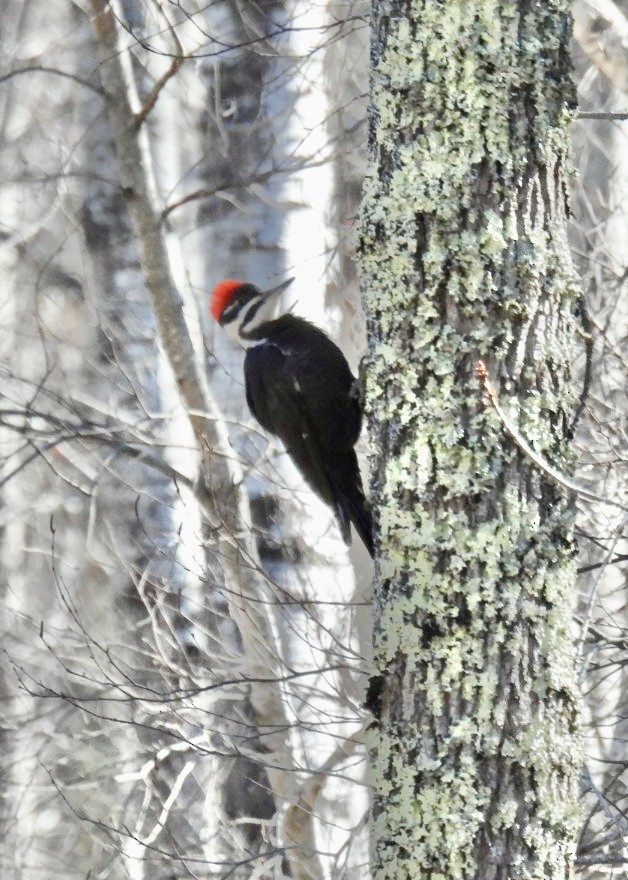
(299, 387)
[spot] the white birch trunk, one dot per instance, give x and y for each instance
(79, 547)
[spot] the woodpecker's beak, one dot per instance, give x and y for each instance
(275, 291)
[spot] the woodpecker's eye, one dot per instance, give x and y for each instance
(229, 313)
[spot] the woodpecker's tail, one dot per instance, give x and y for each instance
(361, 517)
(350, 504)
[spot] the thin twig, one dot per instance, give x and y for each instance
(543, 465)
(602, 114)
(40, 68)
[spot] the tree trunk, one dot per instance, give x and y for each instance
(464, 257)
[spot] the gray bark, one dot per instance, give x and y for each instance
(464, 257)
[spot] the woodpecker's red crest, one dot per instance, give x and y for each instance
(222, 295)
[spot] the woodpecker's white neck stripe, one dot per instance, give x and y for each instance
(251, 316)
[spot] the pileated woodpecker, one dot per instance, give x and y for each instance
(300, 388)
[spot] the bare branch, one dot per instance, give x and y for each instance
(41, 68)
(151, 100)
(491, 397)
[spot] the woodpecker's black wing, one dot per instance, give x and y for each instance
(300, 388)
(275, 398)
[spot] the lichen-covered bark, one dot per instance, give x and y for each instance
(464, 256)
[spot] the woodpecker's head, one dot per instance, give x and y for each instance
(241, 308)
